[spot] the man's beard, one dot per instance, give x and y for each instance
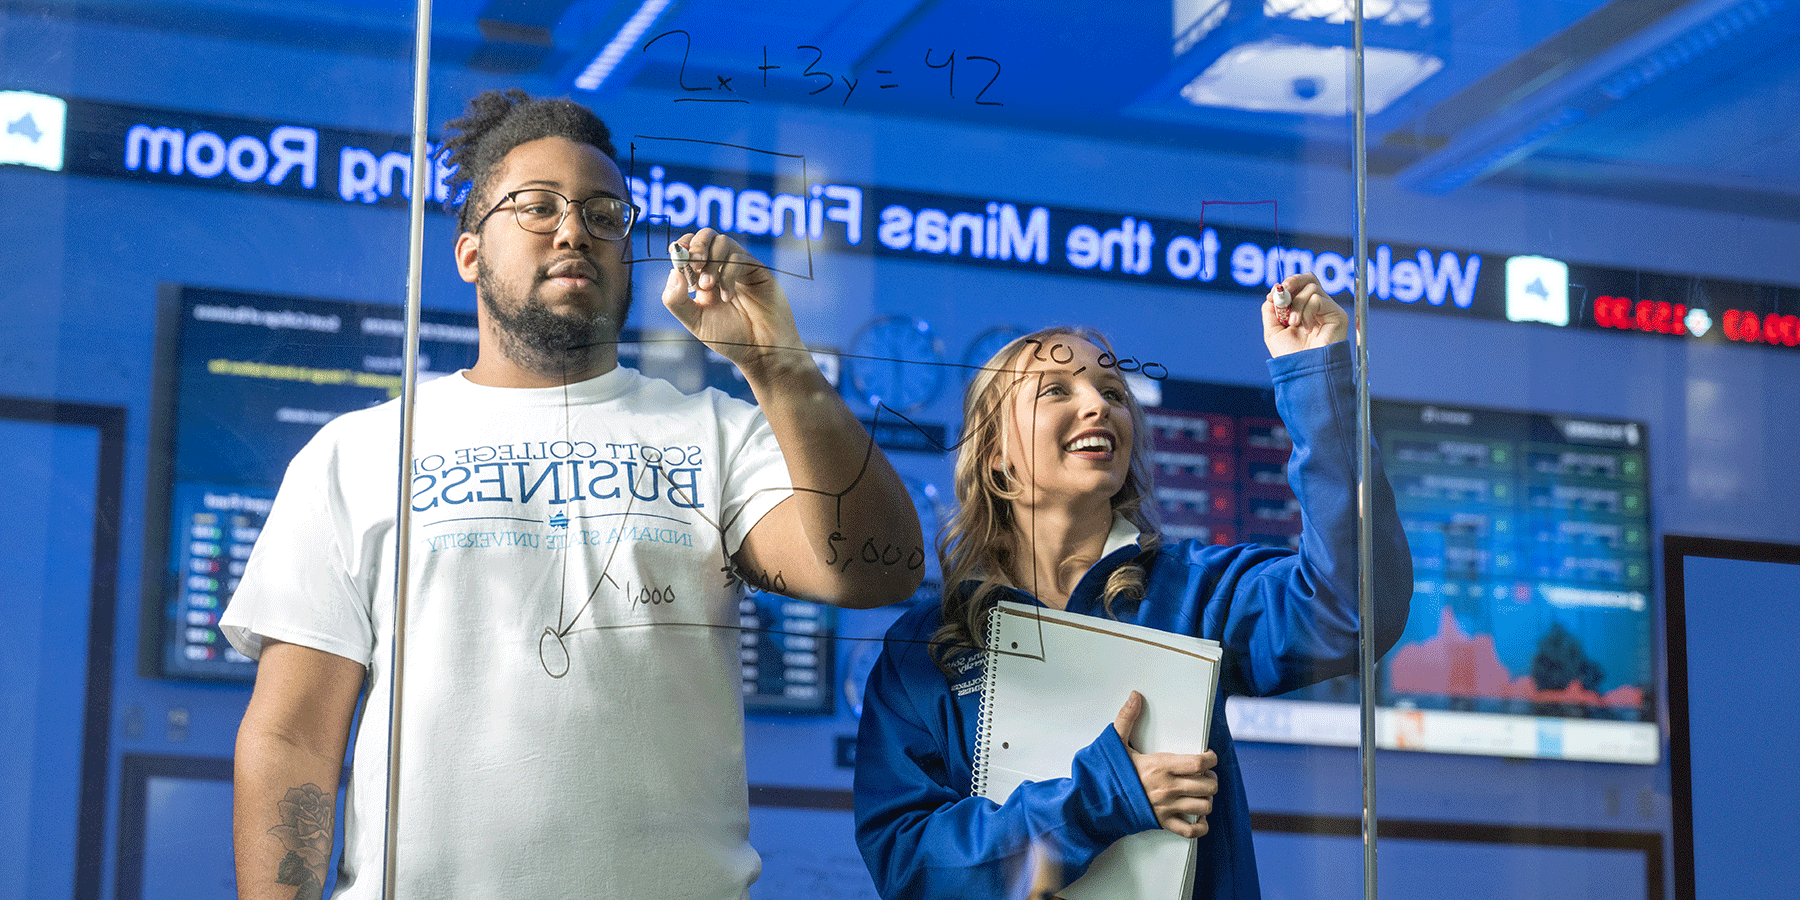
(544, 342)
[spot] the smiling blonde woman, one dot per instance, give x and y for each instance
(1055, 508)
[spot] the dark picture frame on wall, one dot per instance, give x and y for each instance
(1728, 608)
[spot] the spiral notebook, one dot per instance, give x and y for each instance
(1053, 679)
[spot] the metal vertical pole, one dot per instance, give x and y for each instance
(1365, 534)
(420, 187)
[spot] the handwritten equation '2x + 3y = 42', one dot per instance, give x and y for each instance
(725, 90)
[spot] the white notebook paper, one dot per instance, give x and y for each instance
(1053, 679)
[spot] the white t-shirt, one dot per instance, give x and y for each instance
(572, 701)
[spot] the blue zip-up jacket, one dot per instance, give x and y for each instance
(1285, 618)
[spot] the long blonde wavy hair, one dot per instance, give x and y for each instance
(980, 542)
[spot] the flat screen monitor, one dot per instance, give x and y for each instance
(243, 382)
(1531, 632)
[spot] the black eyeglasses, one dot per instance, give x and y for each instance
(541, 211)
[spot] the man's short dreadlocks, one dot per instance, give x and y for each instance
(493, 124)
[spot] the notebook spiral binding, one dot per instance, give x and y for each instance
(984, 720)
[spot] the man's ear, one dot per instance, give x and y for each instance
(468, 249)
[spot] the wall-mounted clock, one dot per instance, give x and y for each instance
(985, 345)
(896, 362)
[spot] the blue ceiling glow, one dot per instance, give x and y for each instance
(1503, 153)
(1684, 49)
(1588, 91)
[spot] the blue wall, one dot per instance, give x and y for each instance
(84, 259)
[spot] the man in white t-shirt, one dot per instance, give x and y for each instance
(570, 718)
